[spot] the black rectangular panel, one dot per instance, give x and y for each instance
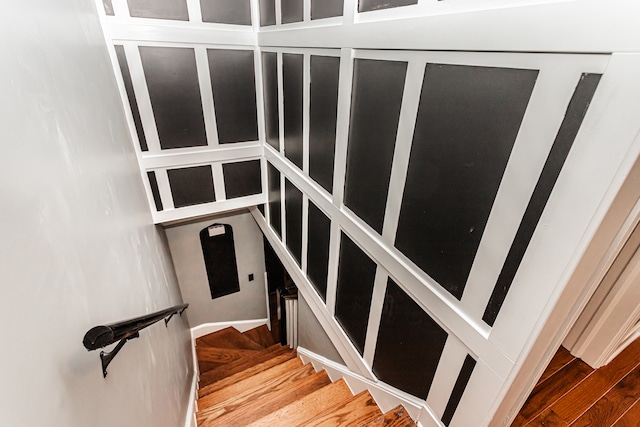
(375, 111)
(291, 11)
(242, 178)
(571, 123)
(409, 345)
(271, 109)
(356, 274)
(321, 9)
(131, 96)
(467, 123)
(292, 89)
(218, 250)
(236, 12)
(293, 219)
(318, 249)
(233, 80)
(458, 389)
(275, 218)
(159, 9)
(172, 79)
(267, 13)
(191, 186)
(153, 183)
(369, 5)
(323, 110)
(108, 7)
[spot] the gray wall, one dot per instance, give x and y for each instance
(250, 302)
(312, 336)
(78, 247)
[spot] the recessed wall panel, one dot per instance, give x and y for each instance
(242, 178)
(369, 5)
(409, 344)
(323, 110)
(318, 249)
(267, 13)
(233, 83)
(271, 109)
(292, 11)
(571, 123)
(292, 89)
(275, 197)
(356, 274)
(172, 79)
(375, 111)
(293, 220)
(191, 186)
(458, 389)
(467, 123)
(236, 12)
(131, 96)
(321, 9)
(159, 9)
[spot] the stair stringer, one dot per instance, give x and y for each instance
(386, 397)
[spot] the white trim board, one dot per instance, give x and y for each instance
(240, 325)
(192, 409)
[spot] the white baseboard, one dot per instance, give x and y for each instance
(192, 409)
(385, 396)
(240, 325)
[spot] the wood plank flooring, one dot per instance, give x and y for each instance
(571, 393)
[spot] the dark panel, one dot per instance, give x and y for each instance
(369, 5)
(191, 186)
(467, 123)
(291, 11)
(275, 218)
(261, 209)
(458, 389)
(323, 110)
(226, 11)
(318, 249)
(242, 178)
(160, 9)
(131, 95)
(356, 274)
(326, 8)
(409, 344)
(233, 81)
(267, 12)
(274, 268)
(576, 111)
(375, 110)
(292, 89)
(108, 7)
(153, 183)
(293, 219)
(172, 80)
(219, 254)
(271, 109)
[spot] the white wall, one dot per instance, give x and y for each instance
(250, 302)
(78, 247)
(312, 336)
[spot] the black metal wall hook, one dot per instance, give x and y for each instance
(106, 358)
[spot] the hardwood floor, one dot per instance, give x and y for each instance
(571, 393)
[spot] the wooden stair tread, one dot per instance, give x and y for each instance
(261, 335)
(304, 409)
(358, 410)
(250, 383)
(631, 418)
(397, 417)
(228, 338)
(212, 358)
(227, 369)
(245, 373)
(249, 408)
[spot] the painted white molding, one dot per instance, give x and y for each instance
(385, 396)
(195, 211)
(192, 409)
(240, 325)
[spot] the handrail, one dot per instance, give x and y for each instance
(101, 336)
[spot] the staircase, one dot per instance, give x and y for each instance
(246, 379)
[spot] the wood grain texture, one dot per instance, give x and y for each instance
(631, 418)
(397, 417)
(356, 411)
(304, 409)
(559, 361)
(227, 338)
(261, 335)
(211, 358)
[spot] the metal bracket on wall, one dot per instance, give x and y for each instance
(106, 358)
(166, 320)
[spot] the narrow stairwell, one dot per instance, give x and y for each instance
(246, 379)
